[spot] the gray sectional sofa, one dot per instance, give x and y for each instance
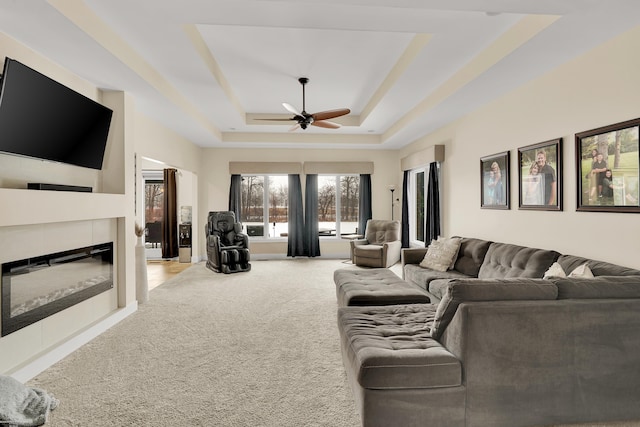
(499, 345)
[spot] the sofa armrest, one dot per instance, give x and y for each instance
(465, 290)
(392, 250)
(412, 255)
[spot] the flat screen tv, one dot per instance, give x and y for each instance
(42, 118)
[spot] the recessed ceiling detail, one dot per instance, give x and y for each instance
(403, 67)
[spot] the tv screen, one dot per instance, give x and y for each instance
(42, 118)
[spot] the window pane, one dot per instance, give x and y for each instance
(349, 198)
(326, 204)
(278, 205)
(252, 215)
(154, 197)
(419, 213)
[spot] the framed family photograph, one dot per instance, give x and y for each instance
(540, 176)
(608, 166)
(494, 181)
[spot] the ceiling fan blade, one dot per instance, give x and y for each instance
(291, 109)
(330, 114)
(325, 124)
(294, 127)
(278, 119)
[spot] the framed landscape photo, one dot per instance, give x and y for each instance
(608, 165)
(540, 176)
(494, 181)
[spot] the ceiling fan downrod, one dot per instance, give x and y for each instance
(307, 119)
(303, 81)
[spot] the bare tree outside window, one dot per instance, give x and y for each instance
(265, 204)
(252, 199)
(326, 199)
(154, 197)
(346, 203)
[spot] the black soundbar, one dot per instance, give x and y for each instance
(58, 187)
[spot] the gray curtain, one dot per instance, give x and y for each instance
(364, 202)
(170, 216)
(311, 239)
(295, 246)
(405, 210)
(433, 205)
(235, 196)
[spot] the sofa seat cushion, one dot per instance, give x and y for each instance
(391, 347)
(368, 251)
(423, 276)
(601, 287)
(438, 287)
(467, 290)
(504, 260)
(375, 286)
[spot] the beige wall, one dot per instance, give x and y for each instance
(596, 89)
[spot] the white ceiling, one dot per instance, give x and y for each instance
(207, 68)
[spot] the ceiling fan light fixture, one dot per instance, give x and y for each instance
(304, 119)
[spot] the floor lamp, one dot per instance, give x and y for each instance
(392, 188)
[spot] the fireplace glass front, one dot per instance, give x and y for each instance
(35, 288)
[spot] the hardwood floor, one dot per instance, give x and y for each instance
(159, 271)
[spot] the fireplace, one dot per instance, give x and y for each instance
(35, 288)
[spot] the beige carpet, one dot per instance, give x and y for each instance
(247, 349)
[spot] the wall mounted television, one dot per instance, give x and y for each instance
(42, 118)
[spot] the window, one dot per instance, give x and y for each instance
(265, 201)
(417, 192)
(154, 199)
(418, 184)
(338, 199)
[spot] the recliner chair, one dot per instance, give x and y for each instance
(227, 246)
(381, 245)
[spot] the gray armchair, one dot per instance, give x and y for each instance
(381, 244)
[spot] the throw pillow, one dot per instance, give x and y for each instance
(582, 271)
(440, 254)
(456, 241)
(555, 270)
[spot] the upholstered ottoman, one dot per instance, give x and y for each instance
(374, 286)
(400, 376)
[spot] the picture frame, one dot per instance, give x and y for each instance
(608, 168)
(540, 176)
(494, 181)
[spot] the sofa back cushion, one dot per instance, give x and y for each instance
(504, 260)
(598, 268)
(466, 290)
(471, 255)
(601, 287)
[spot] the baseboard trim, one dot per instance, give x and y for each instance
(33, 367)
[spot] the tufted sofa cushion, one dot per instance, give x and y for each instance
(505, 260)
(391, 348)
(471, 255)
(598, 268)
(462, 290)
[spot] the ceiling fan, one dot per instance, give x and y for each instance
(305, 119)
